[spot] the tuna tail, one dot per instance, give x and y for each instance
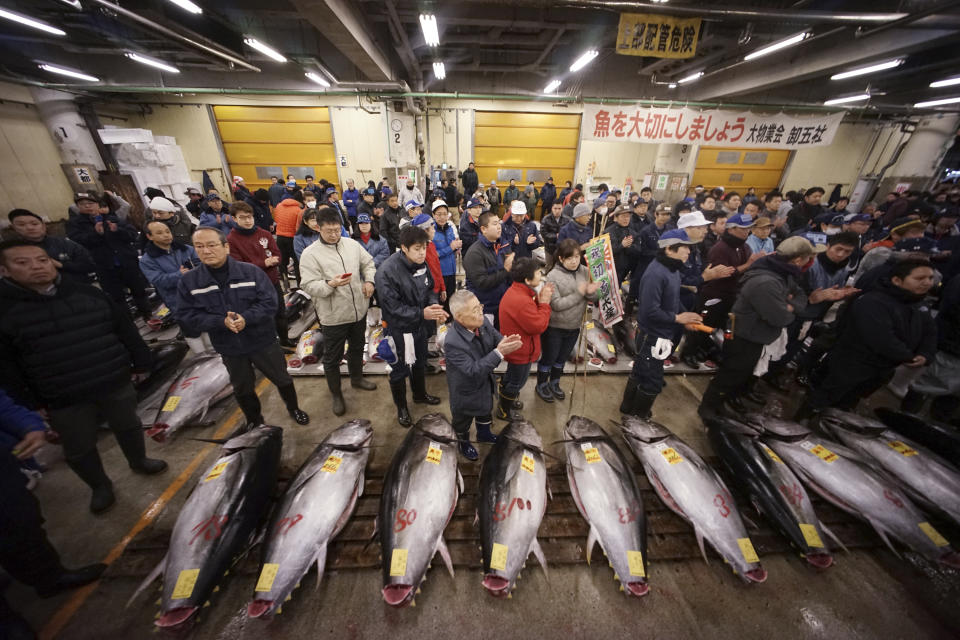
(537, 551)
(154, 574)
(703, 551)
(445, 554)
(321, 561)
(591, 540)
(459, 482)
(834, 537)
(883, 536)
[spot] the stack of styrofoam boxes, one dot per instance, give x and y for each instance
(152, 161)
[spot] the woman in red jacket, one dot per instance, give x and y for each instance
(524, 311)
(426, 222)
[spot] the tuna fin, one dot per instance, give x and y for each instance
(751, 524)
(156, 573)
(703, 551)
(321, 562)
(537, 551)
(360, 480)
(833, 537)
(476, 517)
(591, 540)
(883, 536)
(549, 492)
(460, 481)
(512, 468)
(445, 554)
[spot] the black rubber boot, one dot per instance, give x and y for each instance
(418, 385)
(505, 407)
(90, 470)
(555, 374)
(355, 366)
(467, 450)
(333, 383)
(399, 391)
(543, 386)
(134, 450)
(72, 578)
(629, 397)
(484, 434)
(913, 402)
(642, 405)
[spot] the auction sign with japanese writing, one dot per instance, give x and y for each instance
(642, 34)
(715, 127)
(603, 270)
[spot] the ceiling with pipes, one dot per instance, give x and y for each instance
(492, 47)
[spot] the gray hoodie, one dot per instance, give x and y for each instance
(568, 304)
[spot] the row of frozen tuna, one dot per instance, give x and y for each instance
(874, 474)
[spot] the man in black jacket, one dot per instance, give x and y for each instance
(71, 260)
(68, 347)
(470, 181)
(548, 194)
(883, 328)
(235, 303)
(405, 290)
(111, 242)
(807, 211)
(390, 221)
(553, 221)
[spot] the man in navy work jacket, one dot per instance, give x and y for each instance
(235, 302)
(658, 313)
(473, 349)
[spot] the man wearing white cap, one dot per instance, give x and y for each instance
(163, 211)
(693, 274)
(520, 232)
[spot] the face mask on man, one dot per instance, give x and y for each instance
(832, 231)
(602, 210)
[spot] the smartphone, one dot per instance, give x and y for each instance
(346, 275)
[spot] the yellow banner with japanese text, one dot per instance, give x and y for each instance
(644, 34)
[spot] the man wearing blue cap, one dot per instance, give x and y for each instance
(367, 197)
(216, 215)
(333, 199)
(825, 225)
(658, 313)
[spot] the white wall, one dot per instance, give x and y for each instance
(361, 137)
(926, 147)
(838, 163)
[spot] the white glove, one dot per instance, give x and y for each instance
(661, 350)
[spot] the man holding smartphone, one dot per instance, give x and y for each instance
(339, 274)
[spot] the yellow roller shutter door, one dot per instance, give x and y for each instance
(740, 169)
(532, 145)
(288, 138)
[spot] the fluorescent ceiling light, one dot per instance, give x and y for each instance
(550, 88)
(189, 6)
(937, 103)
(30, 22)
(859, 71)
(777, 46)
(439, 70)
(428, 23)
(67, 72)
(949, 82)
(153, 63)
(584, 60)
(856, 98)
(264, 49)
(690, 78)
(316, 77)
(672, 85)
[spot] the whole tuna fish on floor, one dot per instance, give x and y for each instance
(203, 382)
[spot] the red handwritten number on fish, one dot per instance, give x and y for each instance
(189, 381)
(503, 509)
(793, 494)
(210, 529)
(721, 504)
(289, 523)
(629, 514)
(892, 497)
(404, 519)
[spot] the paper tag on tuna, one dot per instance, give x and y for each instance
(163, 313)
(217, 471)
(591, 453)
(635, 562)
(185, 583)
(527, 463)
(611, 348)
(588, 326)
(933, 534)
(171, 403)
(333, 462)
(498, 557)
(307, 350)
(810, 535)
(820, 451)
(901, 448)
(746, 548)
(434, 453)
(669, 453)
(771, 454)
(398, 563)
(267, 576)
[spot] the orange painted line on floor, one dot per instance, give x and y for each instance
(69, 608)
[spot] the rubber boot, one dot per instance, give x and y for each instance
(543, 386)
(912, 402)
(289, 394)
(399, 391)
(555, 374)
(629, 397)
(467, 450)
(642, 405)
(418, 385)
(483, 431)
(752, 394)
(355, 366)
(712, 403)
(333, 383)
(90, 470)
(135, 451)
(505, 407)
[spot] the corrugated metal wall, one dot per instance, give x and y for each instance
(740, 169)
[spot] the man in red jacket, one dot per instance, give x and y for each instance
(524, 311)
(251, 243)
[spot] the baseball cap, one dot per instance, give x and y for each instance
(162, 204)
(369, 191)
(437, 204)
(901, 225)
(582, 209)
(663, 208)
(518, 208)
(859, 217)
(192, 191)
(797, 246)
(237, 179)
(330, 190)
(211, 197)
(423, 220)
(622, 209)
(673, 237)
(412, 204)
(84, 196)
(386, 191)
(363, 218)
(831, 218)
(764, 221)
(474, 202)
(292, 184)
(694, 219)
(741, 220)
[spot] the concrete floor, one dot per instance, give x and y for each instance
(869, 593)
